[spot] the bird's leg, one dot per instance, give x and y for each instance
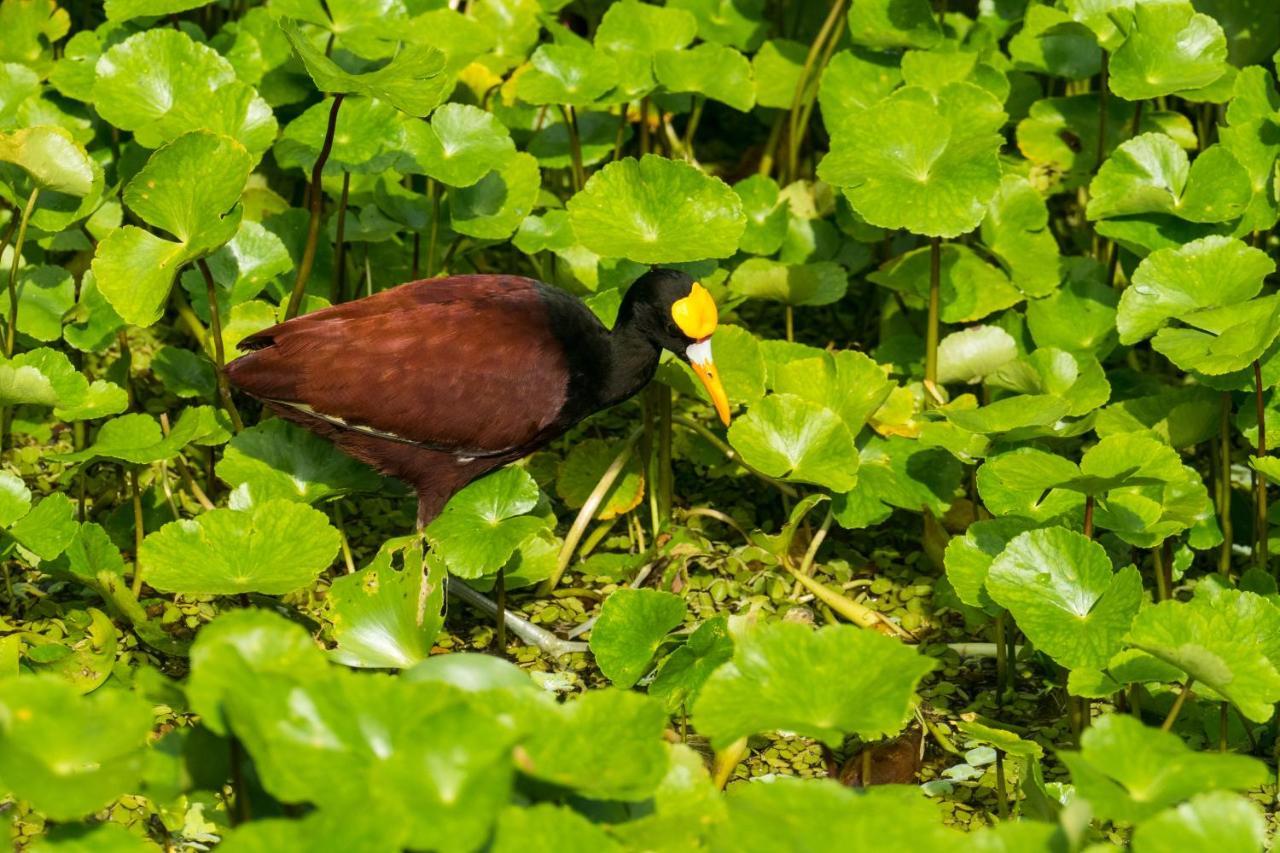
(548, 642)
(518, 625)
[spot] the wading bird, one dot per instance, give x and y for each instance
(439, 382)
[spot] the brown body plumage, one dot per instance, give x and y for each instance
(439, 382)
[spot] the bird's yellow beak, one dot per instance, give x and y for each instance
(700, 360)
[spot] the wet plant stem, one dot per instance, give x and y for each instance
(1002, 658)
(1088, 515)
(219, 354)
(935, 297)
(1002, 788)
(1157, 562)
(1104, 93)
(1177, 705)
(10, 333)
(790, 317)
(340, 243)
(1260, 498)
(691, 127)
(342, 538)
(139, 530)
(317, 211)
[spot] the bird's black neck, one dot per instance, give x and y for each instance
(632, 361)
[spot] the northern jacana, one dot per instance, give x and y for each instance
(439, 382)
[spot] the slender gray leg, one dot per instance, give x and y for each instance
(518, 625)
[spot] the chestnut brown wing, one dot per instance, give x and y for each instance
(468, 365)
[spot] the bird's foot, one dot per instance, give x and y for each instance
(518, 625)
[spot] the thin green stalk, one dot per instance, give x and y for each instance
(935, 301)
(588, 511)
(644, 125)
(219, 354)
(575, 145)
(1002, 788)
(691, 127)
(317, 211)
(732, 455)
(1177, 705)
(340, 242)
(500, 597)
(621, 135)
(1224, 473)
(665, 474)
(1157, 561)
(433, 190)
(771, 146)
(1104, 93)
(789, 316)
(795, 131)
(10, 335)
(138, 530)
(1002, 659)
(338, 522)
(1260, 499)
(1088, 516)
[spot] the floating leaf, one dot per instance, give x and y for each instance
(631, 626)
(1129, 772)
(276, 459)
(386, 617)
(624, 211)
(274, 548)
(482, 525)
(912, 161)
(1060, 588)
(823, 684)
(787, 436)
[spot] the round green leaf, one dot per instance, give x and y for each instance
(894, 23)
(766, 215)
(970, 287)
(465, 144)
(787, 436)
(582, 469)
(914, 162)
(384, 617)
(493, 208)
(67, 754)
(53, 160)
(1170, 49)
(818, 283)
(631, 626)
(276, 459)
(273, 548)
(482, 525)
(575, 75)
(1213, 821)
(45, 295)
(715, 71)
(160, 84)
(1060, 589)
(626, 211)
(1128, 772)
(824, 684)
(1150, 174)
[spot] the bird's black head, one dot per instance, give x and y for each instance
(677, 314)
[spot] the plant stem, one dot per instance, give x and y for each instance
(732, 455)
(138, 530)
(500, 595)
(1177, 706)
(575, 145)
(1002, 659)
(433, 189)
(1104, 94)
(727, 759)
(795, 131)
(342, 537)
(935, 299)
(1260, 499)
(771, 146)
(1088, 516)
(1224, 471)
(1137, 119)
(1002, 789)
(1157, 561)
(789, 315)
(317, 209)
(219, 355)
(691, 127)
(588, 512)
(339, 243)
(10, 335)
(644, 125)
(665, 474)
